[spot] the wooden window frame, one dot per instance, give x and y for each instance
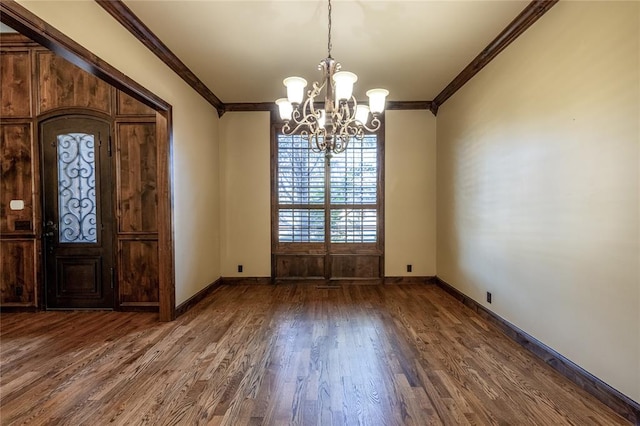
(329, 250)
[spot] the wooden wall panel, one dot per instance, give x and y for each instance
(138, 272)
(137, 199)
(36, 81)
(300, 266)
(15, 71)
(17, 179)
(355, 266)
(128, 106)
(62, 84)
(18, 272)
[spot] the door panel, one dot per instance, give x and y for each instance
(300, 266)
(18, 272)
(138, 197)
(79, 276)
(16, 184)
(139, 272)
(62, 84)
(355, 266)
(78, 213)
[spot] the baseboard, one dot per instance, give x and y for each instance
(329, 283)
(193, 300)
(335, 282)
(15, 309)
(612, 398)
(246, 280)
(139, 307)
(410, 280)
(126, 307)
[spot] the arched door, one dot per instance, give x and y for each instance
(78, 213)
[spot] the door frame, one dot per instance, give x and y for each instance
(84, 114)
(21, 19)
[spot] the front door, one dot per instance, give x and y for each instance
(78, 213)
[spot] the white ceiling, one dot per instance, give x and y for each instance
(243, 49)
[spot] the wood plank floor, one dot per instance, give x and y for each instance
(278, 355)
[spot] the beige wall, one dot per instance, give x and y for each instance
(538, 187)
(410, 193)
(195, 128)
(537, 180)
(245, 194)
(409, 185)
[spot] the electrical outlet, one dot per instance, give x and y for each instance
(488, 297)
(409, 268)
(239, 268)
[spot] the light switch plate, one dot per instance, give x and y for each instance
(16, 205)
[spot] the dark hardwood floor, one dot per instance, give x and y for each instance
(285, 354)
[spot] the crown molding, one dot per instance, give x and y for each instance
(131, 22)
(407, 105)
(271, 106)
(249, 106)
(524, 20)
(530, 14)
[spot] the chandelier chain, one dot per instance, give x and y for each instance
(329, 38)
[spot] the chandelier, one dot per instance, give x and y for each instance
(329, 129)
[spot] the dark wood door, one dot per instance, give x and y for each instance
(78, 213)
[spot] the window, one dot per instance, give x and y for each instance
(313, 195)
(301, 191)
(354, 192)
(327, 217)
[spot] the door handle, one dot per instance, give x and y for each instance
(51, 226)
(50, 229)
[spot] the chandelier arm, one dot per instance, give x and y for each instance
(295, 115)
(352, 111)
(308, 137)
(306, 117)
(357, 132)
(346, 134)
(347, 112)
(343, 114)
(341, 142)
(308, 112)
(310, 140)
(300, 125)
(311, 96)
(375, 125)
(319, 144)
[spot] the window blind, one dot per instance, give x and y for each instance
(350, 206)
